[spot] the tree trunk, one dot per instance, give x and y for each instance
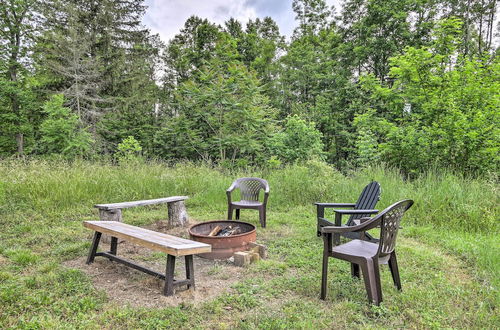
(177, 214)
(111, 215)
(20, 143)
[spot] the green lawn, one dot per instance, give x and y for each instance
(448, 249)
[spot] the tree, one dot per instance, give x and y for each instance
(61, 131)
(104, 61)
(65, 56)
(16, 19)
(184, 55)
(375, 30)
(222, 114)
(313, 16)
(443, 107)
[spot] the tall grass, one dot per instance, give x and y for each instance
(442, 198)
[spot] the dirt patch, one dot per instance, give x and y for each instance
(3, 260)
(126, 286)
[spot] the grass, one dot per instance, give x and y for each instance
(448, 249)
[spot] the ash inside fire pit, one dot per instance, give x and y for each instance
(225, 236)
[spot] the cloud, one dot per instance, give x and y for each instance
(270, 8)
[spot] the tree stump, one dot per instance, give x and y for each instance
(109, 215)
(177, 214)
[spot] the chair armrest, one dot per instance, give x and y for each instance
(231, 188)
(356, 211)
(370, 223)
(266, 196)
(336, 229)
(361, 220)
(320, 207)
(335, 204)
(324, 222)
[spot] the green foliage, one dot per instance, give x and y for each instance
(370, 130)
(129, 150)
(223, 114)
(441, 110)
(383, 81)
(298, 141)
(61, 131)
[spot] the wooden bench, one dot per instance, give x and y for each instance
(173, 246)
(177, 215)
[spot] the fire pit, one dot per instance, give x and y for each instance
(239, 234)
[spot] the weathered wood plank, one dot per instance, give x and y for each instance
(125, 205)
(172, 245)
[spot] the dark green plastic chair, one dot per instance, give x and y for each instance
(364, 207)
(367, 255)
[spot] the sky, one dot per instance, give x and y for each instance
(167, 17)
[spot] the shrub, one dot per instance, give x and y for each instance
(298, 141)
(129, 150)
(62, 132)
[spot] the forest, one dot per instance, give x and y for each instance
(411, 84)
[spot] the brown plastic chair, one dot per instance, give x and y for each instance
(363, 207)
(249, 189)
(366, 255)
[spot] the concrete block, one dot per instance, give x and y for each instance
(259, 248)
(242, 259)
(254, 256)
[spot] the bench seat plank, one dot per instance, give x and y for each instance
(169, 244)
(124, 205)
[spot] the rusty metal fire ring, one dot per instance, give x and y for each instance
(223, 247)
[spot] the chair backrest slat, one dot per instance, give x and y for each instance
(366, 201)
(250, 188)
(389, 226)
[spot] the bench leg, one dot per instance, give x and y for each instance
(169, 276)
(189, 270)
(93, 248)
(114, 245)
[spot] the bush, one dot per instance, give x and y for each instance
(298, 141)
(129, 150)
(62, 132)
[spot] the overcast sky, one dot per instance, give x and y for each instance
(167, 17)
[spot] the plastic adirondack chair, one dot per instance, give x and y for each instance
(363, 208)
(249, 189)
(367, 255)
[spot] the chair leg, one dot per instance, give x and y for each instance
(354, 270)
(393, 266)
(324, 273)
(378, 283)
(262, 217)
(370, 281)
(229, 213)
(237, 214)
